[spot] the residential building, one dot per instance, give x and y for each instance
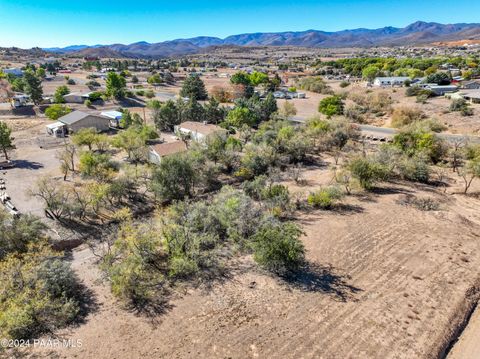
(472, 96)
(159, 151)
(441, 90)
(198, 131)
(76, 97)
(77, 120)
(471, 85)
(390, 81)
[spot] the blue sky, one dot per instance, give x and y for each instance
(47, 23)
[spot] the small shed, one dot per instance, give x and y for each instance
(57, 129)
(114, 116)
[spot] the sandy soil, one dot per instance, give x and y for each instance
(386, 281)
(468, 345)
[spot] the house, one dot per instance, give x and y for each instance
(440, 90)
(114, 116)
(198, 131)
(162, 150)
(57, 129)
(77, 120)
(19, 100)
(390, 81)
(13, 71)
(471, 95)
(471, 85)
(76, 97)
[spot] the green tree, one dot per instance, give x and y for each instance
(40, 73)
(97, 166)
(256, 78)
(213, 112)
(370, 72)
(331, 106)
(6, 140)
(59, 93)
(277, 246)
(194, 88)
(367, 171)
(85, 137)
(240, 116)
(54, 112)
(33, 87)
(166, 115)
(155, 79)
(439, 78)
(174, 178)
(115, 85)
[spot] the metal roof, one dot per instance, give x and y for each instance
(73, 117)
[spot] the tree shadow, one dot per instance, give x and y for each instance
(347, 209)
(382, 191)
(25, 164)
(322, 279)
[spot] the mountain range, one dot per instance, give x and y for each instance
(418, 33)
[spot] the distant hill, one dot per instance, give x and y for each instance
(418, 33)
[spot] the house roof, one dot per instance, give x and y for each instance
(166, 149)
(55, 125)
(200, 127)
(75, 116)
(471, 94)
(82, 94)
(116, 115)
(394, 78)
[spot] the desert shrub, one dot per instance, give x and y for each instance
(403, 116)
(87, 103)
(174, 178)
(344, 84)
(422, 203)
(367, 171)
(277, 246)
(430, 125)
(418, 141)
(355, 113)
(38, 292)
(416, 169)
(324, 198)
(458, 104)
(377, 103)
(221, 94)
(314, 84)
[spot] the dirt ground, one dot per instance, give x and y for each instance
(468, 345)
(385, 281)
(31, 163)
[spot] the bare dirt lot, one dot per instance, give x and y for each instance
(386, 280)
